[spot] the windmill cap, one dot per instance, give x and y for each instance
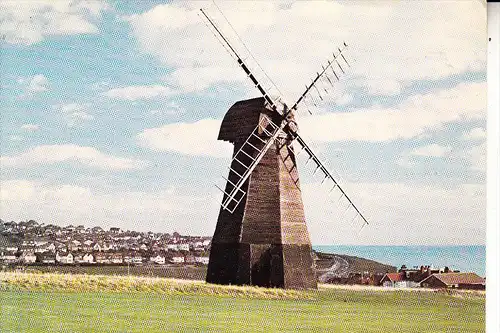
(242, 118)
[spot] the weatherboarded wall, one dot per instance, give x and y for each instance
(265, 241)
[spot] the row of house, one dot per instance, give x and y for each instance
(102, 246)
(428, 277)
(42, 238)
(100, 258)
(29, 242)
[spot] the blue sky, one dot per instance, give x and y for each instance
(110, 112)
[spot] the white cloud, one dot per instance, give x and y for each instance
(87, 156)
(70, 107)
(392, 44)
(171, 108)
(198, 79)
(29, 22)
(101, 85)
(195, 139)
(473, 156)
(164, 210)
(16, 190)
(411, 118)
(476, 133)
(77, 118)
(405, 161)
(38, 83)
(134, 93)
(344, 99)
(74, 113)
(477, 157)
(382, 86)
(399, 214)
(30, 127)
(432, 150)
(15, 138)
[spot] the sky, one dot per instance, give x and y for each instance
(110, 112)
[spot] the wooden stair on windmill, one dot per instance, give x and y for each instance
(247, 156)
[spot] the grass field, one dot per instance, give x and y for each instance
(62, 303)
(189, 272)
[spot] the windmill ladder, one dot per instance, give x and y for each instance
(231, 196)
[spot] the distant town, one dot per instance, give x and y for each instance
(75, 249)
(32, 243)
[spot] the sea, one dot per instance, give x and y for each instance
(465, 258)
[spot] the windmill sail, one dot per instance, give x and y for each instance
(266, 132)
(327, 176)
(323, 75)
(235, 54)
(247, 158)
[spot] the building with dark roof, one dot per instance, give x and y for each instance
(454, 280)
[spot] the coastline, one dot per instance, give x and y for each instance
(466, 258)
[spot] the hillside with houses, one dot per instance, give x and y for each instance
(33, 243)
(75, 249)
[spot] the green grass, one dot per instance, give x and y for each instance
(189, 272)
(176, 306)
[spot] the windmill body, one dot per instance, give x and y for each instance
(264, 241)
(261, 236)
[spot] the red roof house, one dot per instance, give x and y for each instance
(393, 280)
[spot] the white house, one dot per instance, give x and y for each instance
(137, 260)
(177, 260)
(87, 245)
(202, 260)
(74, 245)
(183, 247)
(101, 258)
(172, 247)
(106, 247)
(41, 249)
(8, 258)
(28, 243)
(116, 258)
(88, 258)
(28, 257)
(158, 259)
(133, 259)
(395, 280)
(64, 258)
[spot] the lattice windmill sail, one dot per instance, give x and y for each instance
(261, 236)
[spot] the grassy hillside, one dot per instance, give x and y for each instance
(355, 264)
(63, 303)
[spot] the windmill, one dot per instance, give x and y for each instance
(261, 237)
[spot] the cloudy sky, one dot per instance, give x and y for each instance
(110, 112)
